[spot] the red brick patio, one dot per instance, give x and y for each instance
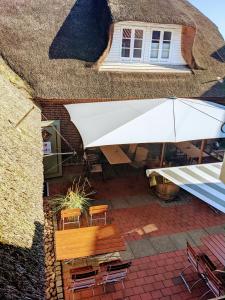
(164, 220)
(153, 277)
(159, 220)
(156, 276)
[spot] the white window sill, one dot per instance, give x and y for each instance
(143, 68)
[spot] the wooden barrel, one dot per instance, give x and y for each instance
(167, 191)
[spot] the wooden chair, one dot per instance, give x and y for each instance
(100, 211)
(214, 284)
(131, 150)
(199, 262)
(141, 157)
(141, 154)
(92, 164)
(70, 216)
(115, 273)
(83, 281)
(193, 260)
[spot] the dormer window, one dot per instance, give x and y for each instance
(132, 41)
(160, 45)
(145, 47)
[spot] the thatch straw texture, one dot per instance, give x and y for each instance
(52, 44)
(152, 11)
(21, 222)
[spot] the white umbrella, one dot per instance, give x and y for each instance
(147, 121)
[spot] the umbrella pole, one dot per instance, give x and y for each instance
(201, 151)
(162, 155)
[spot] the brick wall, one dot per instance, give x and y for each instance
(188, 37)
(68, 130)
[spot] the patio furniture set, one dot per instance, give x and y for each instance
(93, 251)
(206, 270)
(115, 155)
(139, 156)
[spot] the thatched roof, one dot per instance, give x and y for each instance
(53, 43)
(21, 222)
(152, 11)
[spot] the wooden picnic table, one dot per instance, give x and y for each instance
(190, 150)
(115, 155)
(216, 244)
(88, 241)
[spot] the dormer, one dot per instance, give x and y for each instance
(145, 47)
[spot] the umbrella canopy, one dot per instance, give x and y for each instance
(147, 121)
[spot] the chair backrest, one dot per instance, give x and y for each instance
(116, 273)
(84, 280)
(119, 267)
(85, 275)
(213, 282)
(91, 158)
(141, 154)
(98, 209)
(192, 256)
(72, 212)
(207, 261)
(132, 149)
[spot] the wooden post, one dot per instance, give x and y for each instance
(21, 120)
(162, 154)
(201, 151)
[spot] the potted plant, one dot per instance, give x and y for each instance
(76, 197)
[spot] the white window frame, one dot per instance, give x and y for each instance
(160, 59)
(131, 58)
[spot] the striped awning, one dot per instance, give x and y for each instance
(200, 180)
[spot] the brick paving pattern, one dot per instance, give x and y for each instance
(153, 277)
(156, 235)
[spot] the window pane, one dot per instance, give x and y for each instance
(137, 43)
(155, 45)
(167, 36)
(154, 53)
(165, 50)
(137, 53)
(125, 52)
(126, 43)
(166, 46)
(165, 54)
(139, 34)
(156, 35)
(126, 33)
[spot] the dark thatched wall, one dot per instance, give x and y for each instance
(53, 43)
(21, 222)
